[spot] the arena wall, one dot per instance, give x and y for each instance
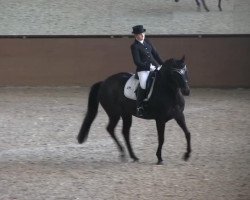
(213, 60)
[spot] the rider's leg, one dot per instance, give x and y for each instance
(143, 76)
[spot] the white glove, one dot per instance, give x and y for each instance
(152, 67)
(158, 68)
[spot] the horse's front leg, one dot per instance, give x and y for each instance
(219, 5)
(181, 122)
(160, 129)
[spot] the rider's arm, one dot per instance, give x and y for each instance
(155, 54)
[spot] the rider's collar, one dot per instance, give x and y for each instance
(142, 41)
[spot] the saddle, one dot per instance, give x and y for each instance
(132, 84)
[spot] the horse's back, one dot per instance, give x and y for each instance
(119, 77)
(111, 91)
(116, 81)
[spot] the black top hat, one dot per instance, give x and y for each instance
(138, 29)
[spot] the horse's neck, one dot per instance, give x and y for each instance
(165, 84)
(168, 91)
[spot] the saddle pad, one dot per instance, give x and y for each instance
(131, 86)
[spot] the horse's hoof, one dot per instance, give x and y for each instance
(160, 162)
(135, 159)
(186, 156)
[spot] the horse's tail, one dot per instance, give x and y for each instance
(93, 103)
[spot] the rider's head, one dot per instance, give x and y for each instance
(139, 32)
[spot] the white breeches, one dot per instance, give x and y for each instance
(143, 76)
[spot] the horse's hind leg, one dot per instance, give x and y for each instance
(181, 121)
(198, 3)
(127, 121)
(111, 129)
(205, 5)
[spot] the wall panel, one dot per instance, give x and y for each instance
(213, 61)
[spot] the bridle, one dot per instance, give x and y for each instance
(182, 72)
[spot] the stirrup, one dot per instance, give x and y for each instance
(139, 111)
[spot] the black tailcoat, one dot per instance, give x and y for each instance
(145, 54)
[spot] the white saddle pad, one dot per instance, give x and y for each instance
(131, 86)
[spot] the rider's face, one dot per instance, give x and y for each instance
(140, 36)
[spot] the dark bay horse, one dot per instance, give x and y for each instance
(204, 4)
(166, 103)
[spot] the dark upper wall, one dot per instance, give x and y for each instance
(213, 61)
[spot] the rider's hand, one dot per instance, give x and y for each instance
(158, 68)
(152, 67)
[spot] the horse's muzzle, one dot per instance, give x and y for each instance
(185, 91)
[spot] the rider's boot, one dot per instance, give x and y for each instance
(141, 94)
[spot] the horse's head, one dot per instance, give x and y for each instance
(176, 70)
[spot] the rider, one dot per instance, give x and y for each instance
(145, 58)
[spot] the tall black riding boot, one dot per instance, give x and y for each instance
(141, 93)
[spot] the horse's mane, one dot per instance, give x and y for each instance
(173, 63)
(169, 62)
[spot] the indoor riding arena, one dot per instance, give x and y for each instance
(52, 52)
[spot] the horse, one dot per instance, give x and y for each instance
(204, 4)
(166, 103)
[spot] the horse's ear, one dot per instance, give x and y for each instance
(183, 58)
